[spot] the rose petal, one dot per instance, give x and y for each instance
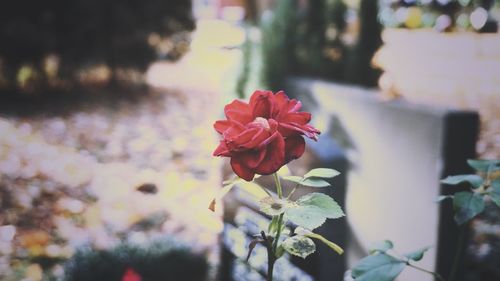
(252, 158)
(238, 111)
(294, 106)
(284, 105)
(246, 138)
(262, 139)
(297, 117)
(233, 130)
(275, 156)
(291, 129)
(241, 170)
(222, 150)
(294, 148)
(261, 104)
(222, 125)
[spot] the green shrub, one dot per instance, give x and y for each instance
(47, 44)
(158, 261)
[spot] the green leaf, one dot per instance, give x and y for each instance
(475, 180)
(300, 246)
(467, 205)
(311, 210)
(379, 267)
(280, 251)
(312, 182)
(295, 179)
(305, 232)
(321, 173)
(418, 254)
(494, 191)
(306, 216)
(382, 246)
(483, 165)
(441, 198)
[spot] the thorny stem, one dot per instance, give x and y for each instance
(270, 257)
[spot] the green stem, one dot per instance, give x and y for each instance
(278, 185)
(270, 267)
(437, 275)
(278, 232)
(458, 253)
(270, 257)
(408, 263)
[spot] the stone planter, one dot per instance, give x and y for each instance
(460, 70)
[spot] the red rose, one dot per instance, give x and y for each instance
(263, 135)
(131, 275)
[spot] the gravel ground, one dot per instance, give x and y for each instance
(127, 169)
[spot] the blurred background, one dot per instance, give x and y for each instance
(106, 139)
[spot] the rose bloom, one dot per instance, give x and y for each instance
(263, 135)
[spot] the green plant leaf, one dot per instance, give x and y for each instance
(300, 246)
(312, 182)
(494, 191)
(306, 216)
(322, 173)
(382, 246)
(305, 232)
(379, 267)
(311, 210)
(475, 180)
(483, 165)
(441, 198)
(280, 251)
(295, 179)
(467, 205)
(418, 254)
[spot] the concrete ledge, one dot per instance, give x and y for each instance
(397, 154)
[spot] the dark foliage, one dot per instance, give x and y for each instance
(360, 70)
(81, 34)
(311, 40)
(278, 42)
(160, 261)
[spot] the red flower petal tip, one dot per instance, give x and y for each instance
(131, 275)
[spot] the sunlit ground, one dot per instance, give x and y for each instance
(134, 170)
